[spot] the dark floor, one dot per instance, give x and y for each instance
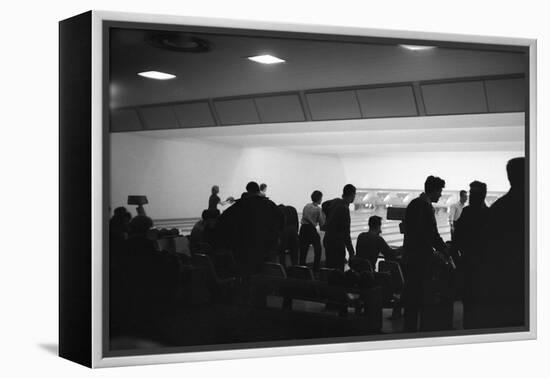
(231, 324)
(390, 324)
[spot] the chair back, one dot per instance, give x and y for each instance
(273, 270)
(300, 272)
(360, 265)
(394, 269)
(203, 248)
(384, 280)
(203, 261)
(332, 276)
(324, 274)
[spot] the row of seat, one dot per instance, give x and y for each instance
(332, 286)
(326, 274)
(299, 282)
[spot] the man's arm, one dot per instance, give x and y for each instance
(321, 218)
(385, 249)
(347, 226)
(430, 234)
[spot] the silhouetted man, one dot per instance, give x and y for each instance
(420, 240)
(250, 228)
(337, 229)
(470, 239)
(504, 268)
(289, 236)
(204, 230)
(312, 215)
(370, 244)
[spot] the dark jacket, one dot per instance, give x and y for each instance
(470, 236)
(250, 228)
(338, 221)
(421, 234)
(290, 217)
(370, 245)
(504, 265)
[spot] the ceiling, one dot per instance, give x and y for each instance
(314, 64)
(310, 64)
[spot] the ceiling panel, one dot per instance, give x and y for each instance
(506, 95)
(237, 112)
(125, 120)
(194, 114)
(387, 102)
(496, 121)
(333, 105)
(454, 98)
(158, 117)
(479, 132)
(283, 108)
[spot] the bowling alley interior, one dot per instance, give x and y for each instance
(219, 138)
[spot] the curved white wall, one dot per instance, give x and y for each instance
(409, 171)
(177, 175)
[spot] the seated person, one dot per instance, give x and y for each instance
(142, 281)
(370, 244)
(203, 230)
(119, 224)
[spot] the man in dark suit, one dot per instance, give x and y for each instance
(251, 229)
(420, 241)
(289, 240)
(470, 239)
(337, 229)
(503, 284)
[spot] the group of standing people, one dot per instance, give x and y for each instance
(257, 230)
(489, 244)
(332, 217)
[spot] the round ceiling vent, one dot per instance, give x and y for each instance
(180, 42)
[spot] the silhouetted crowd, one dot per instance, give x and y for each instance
(488, 249)
(488, 245)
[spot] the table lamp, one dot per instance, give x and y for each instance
(139, 201)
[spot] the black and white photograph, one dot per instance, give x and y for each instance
(275, 189)
(270, 188)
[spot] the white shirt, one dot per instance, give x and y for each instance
(312, 214)
(455, 211)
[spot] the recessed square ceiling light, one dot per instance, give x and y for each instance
(417, 47)
(266, 59)
(156, 75)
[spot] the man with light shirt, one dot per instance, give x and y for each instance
(455, 211)
(311, 217)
